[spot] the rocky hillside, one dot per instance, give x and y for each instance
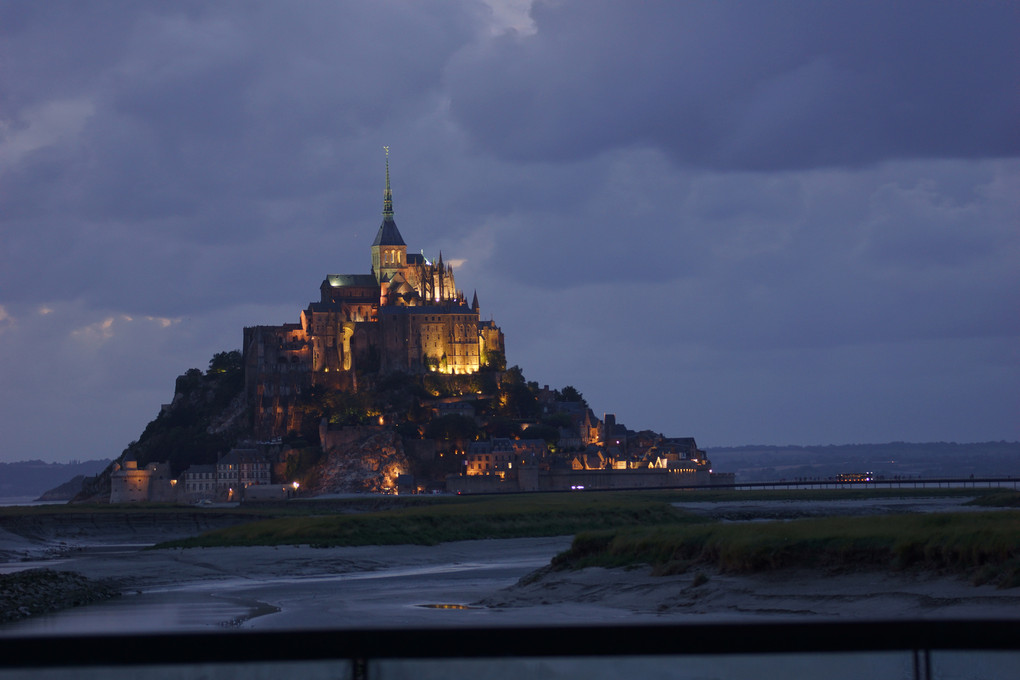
(368, 463)
(207, 416)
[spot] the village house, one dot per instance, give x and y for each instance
(239, 469)
(198, 483)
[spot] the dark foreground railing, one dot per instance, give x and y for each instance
(831, 649)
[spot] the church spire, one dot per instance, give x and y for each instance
(389, 252)
(388, 234)
(387, 205)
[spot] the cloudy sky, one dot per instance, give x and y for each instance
(768, 222)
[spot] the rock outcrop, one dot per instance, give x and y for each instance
(38, 591)
(370, 463)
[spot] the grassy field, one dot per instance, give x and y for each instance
(377, 503)
(429, 520)
(455, 519)
(998, 499)
(984, 546)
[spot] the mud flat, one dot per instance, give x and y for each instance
(492, 583)
(795, 594)
(294, 587)
(464, 583)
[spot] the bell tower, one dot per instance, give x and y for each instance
(389, 252)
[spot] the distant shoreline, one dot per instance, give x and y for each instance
(12, 501)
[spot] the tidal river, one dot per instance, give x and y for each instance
(290, 587)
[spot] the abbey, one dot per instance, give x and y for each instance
(406, 315)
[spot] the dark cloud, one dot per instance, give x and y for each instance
(159, 131)
(747, 222)
(748, 86)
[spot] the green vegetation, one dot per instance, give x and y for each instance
(628, 528)
(434, 519)
(998, 499)
(446, 385)
(456, 428)
(454, 519)
(493, 360)
(402, 400)
(710, 495)
(982, 545)
(571, 393)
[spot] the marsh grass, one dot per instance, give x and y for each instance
(379, 503)
(711, 495)
(982, 545)
(997, 499)
(454, 519)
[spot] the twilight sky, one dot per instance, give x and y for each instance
(772, 222)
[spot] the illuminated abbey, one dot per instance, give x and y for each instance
(406, 315)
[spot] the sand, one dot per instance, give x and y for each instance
(775, 595)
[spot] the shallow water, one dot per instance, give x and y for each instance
(394, 596)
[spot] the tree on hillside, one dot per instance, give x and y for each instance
(550, 434)
(518, 401)
(225, 362)
(493, 360)
(557, 420)
(453, 427)
(512, 376)
(502, 427)
(571, 393)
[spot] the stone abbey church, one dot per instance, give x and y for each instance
(406, 315)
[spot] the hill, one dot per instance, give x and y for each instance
(33, 477)
(432, 417)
